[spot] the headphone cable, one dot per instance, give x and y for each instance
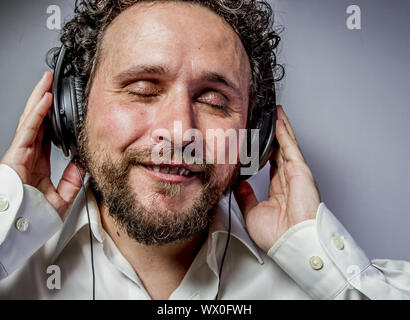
(91, 238)
(226, 245)
(89, 226)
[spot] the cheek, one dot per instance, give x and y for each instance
(223, 173)
(116, 126)
(223, 141)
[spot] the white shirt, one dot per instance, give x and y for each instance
(316, 259)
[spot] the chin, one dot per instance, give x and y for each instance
(164, 203)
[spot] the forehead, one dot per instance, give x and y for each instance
(177, 34)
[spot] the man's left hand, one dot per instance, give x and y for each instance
(293, 196)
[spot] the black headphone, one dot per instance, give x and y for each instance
(67, 112)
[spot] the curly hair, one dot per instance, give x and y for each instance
(252, 20)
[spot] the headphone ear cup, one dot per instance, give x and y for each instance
(79, 92)
(266, 137)
(56, 127)
(265, 140)
(67, 116)
(67, 110)
(74, 113)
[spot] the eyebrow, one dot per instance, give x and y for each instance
(217, 78)
(131, 73)
(128, 75)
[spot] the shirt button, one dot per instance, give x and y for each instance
(4, 204)
(22, 224)
(338, 242)
(316, 263)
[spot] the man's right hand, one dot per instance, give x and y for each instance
(29, 155)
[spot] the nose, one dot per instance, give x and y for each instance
(174, 118)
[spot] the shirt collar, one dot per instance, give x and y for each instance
(78, 218)
(220, 225)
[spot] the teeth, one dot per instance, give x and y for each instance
(173, 170)
(170, 170)
(184, 172)
(164, 169)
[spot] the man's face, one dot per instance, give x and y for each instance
(161, 63)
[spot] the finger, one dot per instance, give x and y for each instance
(70, 183)
(245, 197)
(276, 171)
(288, 146)
(278, 184)
(37, 94)
(273, 169)
(47, 148)
(40, 133)
(281, 172)
(43, 86)
(29, 129)
(47, 188)
(282, 116)
(275, 187)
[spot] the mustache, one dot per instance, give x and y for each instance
(143, 155)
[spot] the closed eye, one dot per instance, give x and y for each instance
(214, 99)
(142, 94)
(143, 89)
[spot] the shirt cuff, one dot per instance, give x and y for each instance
(31, 222)
(320, 255)
(11, 196)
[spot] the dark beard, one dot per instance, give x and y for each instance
(146, 224)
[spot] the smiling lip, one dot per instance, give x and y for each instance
(190, 173)
(193, 168)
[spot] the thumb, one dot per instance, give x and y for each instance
(70, 183)
(245, 197)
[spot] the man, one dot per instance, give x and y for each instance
(160, 230)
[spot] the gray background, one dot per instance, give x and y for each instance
(346, 94)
